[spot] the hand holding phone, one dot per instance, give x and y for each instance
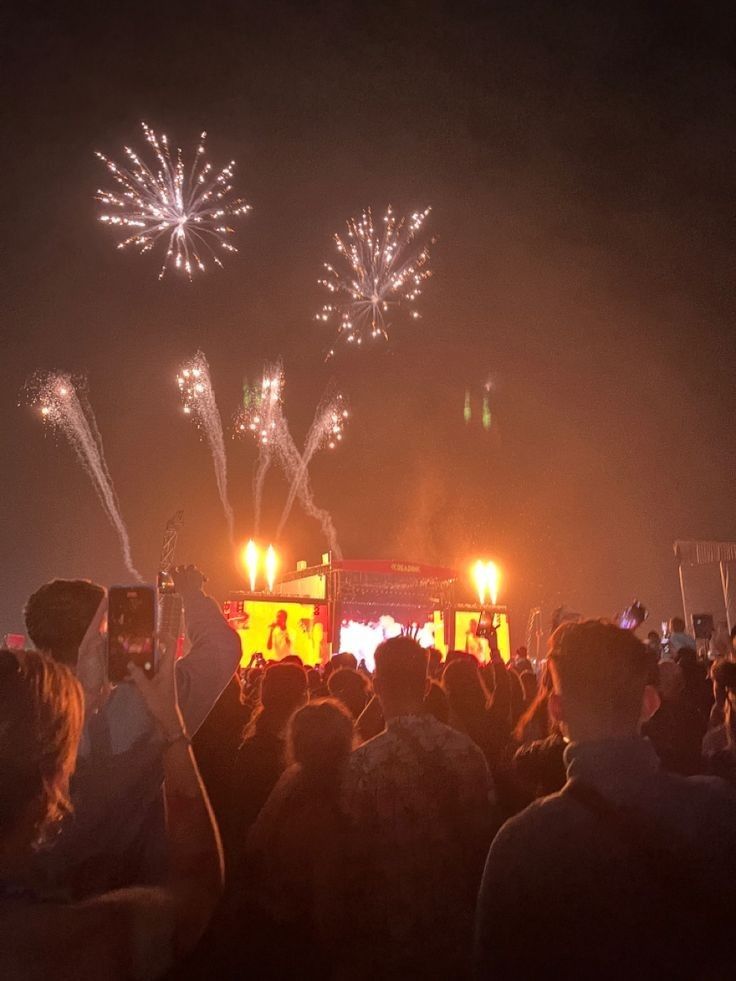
(131, 630)
(160, 696)
(187, 579)
(91, 658)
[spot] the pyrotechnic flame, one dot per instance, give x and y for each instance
(480, 579)
(379, 270)
(493, 578)
(190, 207)
(486, 576)
(250, 560)
(271, 565)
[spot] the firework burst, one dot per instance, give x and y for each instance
(381, 268)
(260, 415)
(64, 408)
(328, 427)
(189, 208)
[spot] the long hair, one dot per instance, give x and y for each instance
(320, 741)
(283, 691)
(41, 718)
(536, 717)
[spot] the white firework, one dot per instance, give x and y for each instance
(380, 269)
(198, 401)
(65, 409)
(188, 208)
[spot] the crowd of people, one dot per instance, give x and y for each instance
(436, 818)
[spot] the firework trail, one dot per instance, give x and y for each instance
(380, 269)
(190, 208)
(262, 417)
(326, 430)
(198, 400)
(66, 410)
(292, 465)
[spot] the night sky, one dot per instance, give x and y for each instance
(580, 165)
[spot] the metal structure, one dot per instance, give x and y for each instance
(709, 553)
(171, 535)
(170, 607)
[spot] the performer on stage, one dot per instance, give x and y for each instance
(279, 640)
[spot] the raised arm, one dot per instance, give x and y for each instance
(195, 851)
(215, 652)
(139, 932)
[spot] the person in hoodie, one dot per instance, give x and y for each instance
(115, 835)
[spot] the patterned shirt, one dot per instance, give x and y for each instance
(420, 797)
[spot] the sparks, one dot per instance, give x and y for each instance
(198, 401)
(190, 208)
(260, 415)
(262, 418)
(380, 269)
(329, 424)
(327, 430)
(65, 409)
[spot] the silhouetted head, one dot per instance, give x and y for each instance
(283, 691)
(321, 740)
(466, 692)
(603, 680)
(314, 680)
(349, 687)
(58, 614)
(400, 680)
(345, 660)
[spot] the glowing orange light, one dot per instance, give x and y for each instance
(250, 560)
(480, 580)
(486, 576)
(493, 577)
(271, 564)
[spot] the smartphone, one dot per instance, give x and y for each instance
(131, 630)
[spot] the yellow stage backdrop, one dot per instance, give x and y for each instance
(305, 629)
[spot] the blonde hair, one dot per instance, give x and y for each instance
(41, 718)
